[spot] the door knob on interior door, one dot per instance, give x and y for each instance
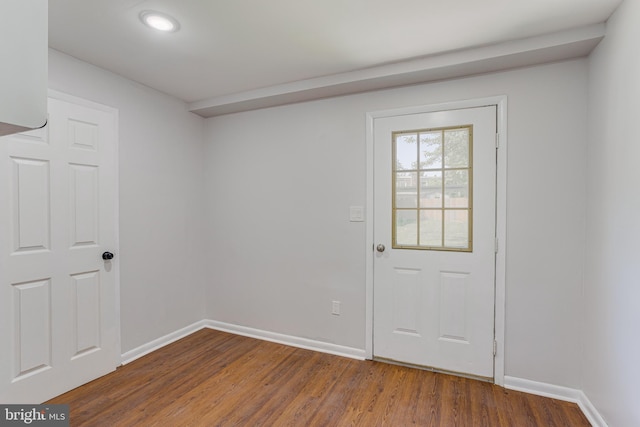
(107, 256)
(380, 248)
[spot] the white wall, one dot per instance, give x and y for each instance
(612, 285)
(280, 182)
(161, 187)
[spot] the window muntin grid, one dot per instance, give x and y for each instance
(432, 189)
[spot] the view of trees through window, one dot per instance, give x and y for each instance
(432, 188)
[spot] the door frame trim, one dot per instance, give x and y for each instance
(501, 216)
(61, 96)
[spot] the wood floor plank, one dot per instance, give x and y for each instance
(212, 378)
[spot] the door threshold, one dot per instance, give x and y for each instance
(434, 369)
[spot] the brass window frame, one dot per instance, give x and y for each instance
(443, 209)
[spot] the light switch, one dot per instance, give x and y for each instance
(356, 214)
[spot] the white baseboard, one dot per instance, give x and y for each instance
(557, 392)
(308, 344)
(154, 345)
(337, 350)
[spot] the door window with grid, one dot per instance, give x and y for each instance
(432, 189)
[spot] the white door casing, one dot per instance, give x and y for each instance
(435, 308)
(58, 298)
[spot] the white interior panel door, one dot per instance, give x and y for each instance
(434, 261)
(58, 216)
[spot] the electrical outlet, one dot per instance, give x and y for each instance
(335, 308)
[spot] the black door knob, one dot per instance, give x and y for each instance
(107, 256)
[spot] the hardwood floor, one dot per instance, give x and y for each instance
(212, 378)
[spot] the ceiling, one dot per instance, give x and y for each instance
(227, 48)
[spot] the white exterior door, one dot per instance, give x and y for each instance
(434, 232)
(58, 307)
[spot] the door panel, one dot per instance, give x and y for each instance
(83, 195)
(32, 330)
(454, 301)
(57, 296)
(86, 290)
(406, 299)
(30, 194)
(434, 211)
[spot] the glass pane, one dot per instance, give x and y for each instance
(431, 150)
(406, 152)
(456, 229)
(456, 148)
(431, 228)
(431, 189)
(456, 189)
(432, 193)
(406, 189)
(406, 227)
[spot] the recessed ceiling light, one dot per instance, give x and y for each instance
(159, 21)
